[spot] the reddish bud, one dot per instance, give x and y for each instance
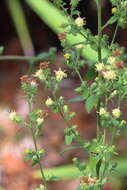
(44, 65)
(62, 36)
(119, 64)
(116, 53)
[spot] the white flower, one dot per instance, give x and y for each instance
(116, 112)
(39, 74)
(12, 116)
(40, 121)
(109, 75)
(102, 111)
(111, 60)
(49, 102)
(99, 66)
(79, 22)
(60, 74)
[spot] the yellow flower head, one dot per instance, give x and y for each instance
(67, 55)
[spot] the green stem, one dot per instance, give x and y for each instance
(16, 57)
(115, 32)
(36, 149)
(99, 59)
(19, 20)
(79, 75)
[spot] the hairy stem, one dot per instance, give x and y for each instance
(99, 13)
(36, 149)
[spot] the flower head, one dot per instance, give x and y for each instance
(99, 66)
(12, 115)
(80, 22)
(60, 75)
(116, 112)
(39, 74)
(111, 60)
(67, 55)
(49, 102)
(103, 112)
(109, 75)
(40, 121)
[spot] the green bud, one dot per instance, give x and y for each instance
(65, 109)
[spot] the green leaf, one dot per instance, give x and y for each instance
(68, 139)
(91, 102)
(90, 74)
(77, 99)
(74, 3)
(112, 20)
(71, 148)
(98, 167)
(28, 157)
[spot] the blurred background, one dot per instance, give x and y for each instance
(22, 32)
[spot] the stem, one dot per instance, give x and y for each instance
(79, 75)
(114, 36)
(36, 148)
(99, 60)
(16, 57)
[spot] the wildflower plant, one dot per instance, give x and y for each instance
(106, 86)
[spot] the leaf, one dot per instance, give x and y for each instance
(68, 139)
(86, 93)
(90, 74)
(77, 99)
(74, 3)
(112, 20)
(98, 167)
(71, 148)
(91, 102)
(27, 157)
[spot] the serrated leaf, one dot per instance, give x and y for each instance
(77, 99)
(91, 102)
